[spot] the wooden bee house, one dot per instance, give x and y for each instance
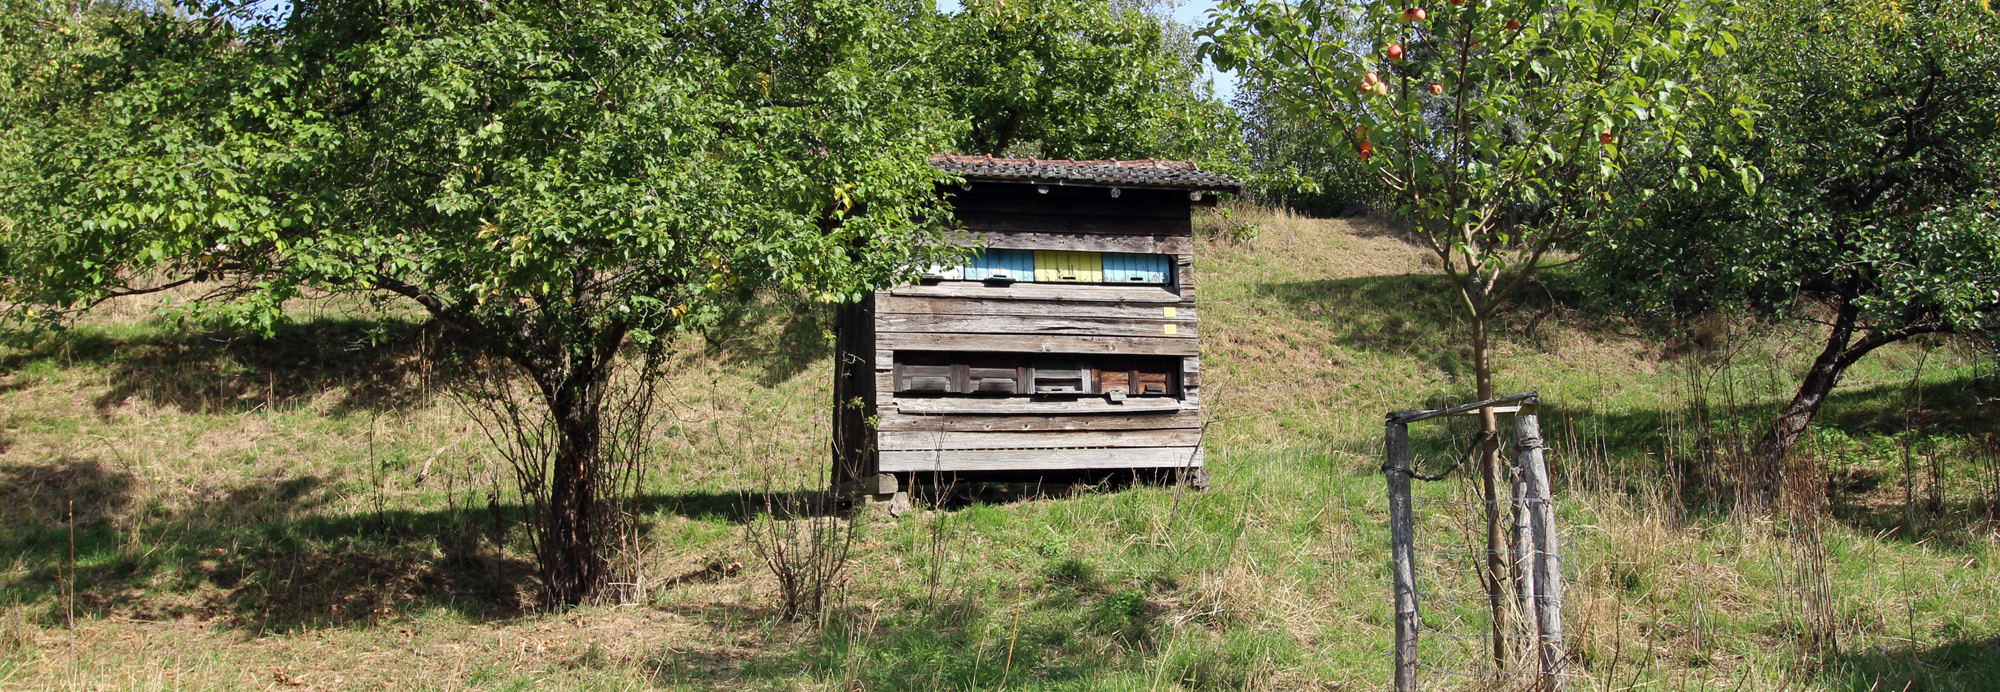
(1068, 343)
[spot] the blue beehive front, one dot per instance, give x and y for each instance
(1018, 265)
(1126, 268)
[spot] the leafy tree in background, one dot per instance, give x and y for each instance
(1088, 79)
(1500, 129)
(558, 182)
(1300, 161)
(1878, 216)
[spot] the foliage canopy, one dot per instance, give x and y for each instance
(1878, 214)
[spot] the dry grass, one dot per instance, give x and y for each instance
(310, 513)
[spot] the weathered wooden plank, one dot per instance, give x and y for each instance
(1041, 459)
(885, 384)
(928, 305)
(1164, 420)
(1020, 222)
(1162, 345)
(909, 440)
(1095, 405)
(1097, 202)
(1090, 242)
(978, 290)
(1025, 325)
(853, 383)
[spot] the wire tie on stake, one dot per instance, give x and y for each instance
(1466, 458)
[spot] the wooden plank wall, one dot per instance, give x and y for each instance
(854, 448)
(1029, 434)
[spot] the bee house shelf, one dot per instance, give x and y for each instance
(1068, 343)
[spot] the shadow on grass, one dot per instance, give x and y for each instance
(1626, 447)
(1065, 627)
(257, 555)
(1967, 665)
(1406, 314)
(266, 555)
(375, 364)
(379, 364)
(1858, 432)
(777, 342)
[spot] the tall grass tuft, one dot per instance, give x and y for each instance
(806, 541)
(16, 633)
(1805, 512)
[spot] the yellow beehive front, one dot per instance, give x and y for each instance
(1069, 267)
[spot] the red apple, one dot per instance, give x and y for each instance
(1381, 89)
(1416, 14)
(1367, 149)
(1513, 25)
(1395, 52)
(1457, 2)
(1436, 89)
(1605, 137)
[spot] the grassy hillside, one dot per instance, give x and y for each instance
(314, 511)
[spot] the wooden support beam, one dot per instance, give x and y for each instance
(1083, 242)
(896, 305)
(1029, 406)
(1408, 417)
(1041, 459)
(1036, 343)
(1158, 420)
(980, 290)
(1027, 325)
(921, 440)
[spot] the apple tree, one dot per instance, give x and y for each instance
(557, 182)
(1500, 128)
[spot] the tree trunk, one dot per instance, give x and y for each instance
(1768, 457)
(571, 565)
(1491, 479)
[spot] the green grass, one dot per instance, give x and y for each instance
(315, 509)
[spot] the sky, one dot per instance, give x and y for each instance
(1193, 13)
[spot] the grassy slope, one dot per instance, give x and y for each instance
(311, 512)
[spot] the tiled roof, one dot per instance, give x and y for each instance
(1180, 175)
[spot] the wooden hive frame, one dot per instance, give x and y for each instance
(1065, 371)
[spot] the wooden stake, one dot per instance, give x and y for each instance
(1522, 553)
(69, 592)
(1548, 555)
(1402, 548)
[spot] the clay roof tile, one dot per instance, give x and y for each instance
(1148, 172)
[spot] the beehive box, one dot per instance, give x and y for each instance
(1069, 342)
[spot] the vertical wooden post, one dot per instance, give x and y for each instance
(1402, 551)
(1523, 558)
(1548, 556)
